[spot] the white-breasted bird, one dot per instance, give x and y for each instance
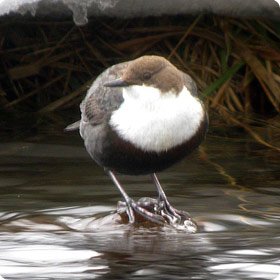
(141, 117)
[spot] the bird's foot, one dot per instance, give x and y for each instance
(158, 212)
(176, 218)
(142, 210)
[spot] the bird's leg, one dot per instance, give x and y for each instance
(169, 212)
(127, 199)
(131, 205)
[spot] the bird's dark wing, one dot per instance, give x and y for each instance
(100, 101)
(92, 111)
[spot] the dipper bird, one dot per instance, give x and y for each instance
(141, 117)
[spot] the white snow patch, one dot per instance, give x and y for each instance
(82, 9)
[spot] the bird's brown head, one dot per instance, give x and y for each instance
(153, 71)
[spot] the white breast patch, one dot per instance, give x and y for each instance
(156, 122)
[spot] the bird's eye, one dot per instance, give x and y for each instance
(147, 76)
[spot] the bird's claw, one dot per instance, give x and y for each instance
(143, 208)
(158, 212)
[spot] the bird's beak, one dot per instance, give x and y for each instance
(116, 83)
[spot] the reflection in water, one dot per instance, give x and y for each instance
(57, 218)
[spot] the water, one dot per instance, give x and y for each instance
(57, 219)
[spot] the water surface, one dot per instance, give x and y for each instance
(57, 219)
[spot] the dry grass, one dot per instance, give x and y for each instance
(47, 66)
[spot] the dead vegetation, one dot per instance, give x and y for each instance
(48, 66)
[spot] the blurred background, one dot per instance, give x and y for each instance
(51, 51)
